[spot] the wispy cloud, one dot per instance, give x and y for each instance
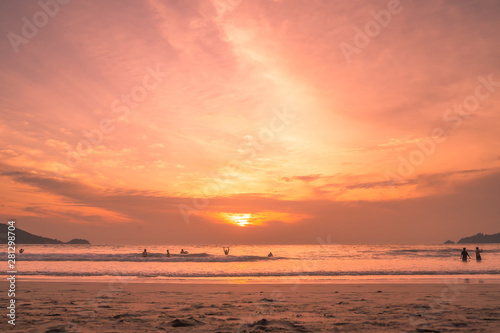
(227, 75)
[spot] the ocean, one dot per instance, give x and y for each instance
(250, 263)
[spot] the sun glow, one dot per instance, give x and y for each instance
(256, 218)
(239, 219)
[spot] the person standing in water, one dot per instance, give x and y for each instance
(226, 252)
(270, 255)
(145, 253)
(168, 254)
(464, 255)
(478, 254)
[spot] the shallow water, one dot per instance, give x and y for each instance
(315, 263)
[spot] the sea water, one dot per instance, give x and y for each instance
(250, 263)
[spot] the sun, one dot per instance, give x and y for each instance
(256, 218)
(239, 219)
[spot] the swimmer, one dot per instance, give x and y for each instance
(145, 253)
(168, 253)
(226, 252)
(478, 254)
(464, 255)
(270, 254)
(21, 250)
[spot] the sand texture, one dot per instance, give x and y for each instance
(154, 307)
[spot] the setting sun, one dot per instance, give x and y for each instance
(239, 219)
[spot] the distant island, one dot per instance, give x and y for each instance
(24, 237)
(479, 238)
(78, 241)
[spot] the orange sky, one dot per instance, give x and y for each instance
(237, 121)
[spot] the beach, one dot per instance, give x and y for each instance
(121, 305)
(303, 288)
(249, 166)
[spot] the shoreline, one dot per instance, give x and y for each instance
(114, 306)
(264, 283)
(418, 279)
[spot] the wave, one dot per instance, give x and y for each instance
(433, 252)
(135, 257)
(56, 253)
(259, 274)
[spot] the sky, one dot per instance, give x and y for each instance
(250, 122)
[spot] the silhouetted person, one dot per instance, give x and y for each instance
(21, 250)
(226, 252)
(270, 254)
(478, 254)
(145, 253)
(184, 252)
(464, 255)
(168, 253)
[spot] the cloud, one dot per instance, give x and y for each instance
(157, 216)
(305, 179)
(157, 145)
(430, 180)
(228, 76)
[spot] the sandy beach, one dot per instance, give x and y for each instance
(123, 306)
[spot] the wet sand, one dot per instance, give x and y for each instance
(164, 307)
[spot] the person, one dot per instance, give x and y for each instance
(226, 252)
(270, 254)
(464, 255)
(168, 253)
(145, 253)
(184, 252)
(21, 250)
(478, 254)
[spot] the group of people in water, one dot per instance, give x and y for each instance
(225, 249)
(226, 252)
(145, 252)
(464, 255)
